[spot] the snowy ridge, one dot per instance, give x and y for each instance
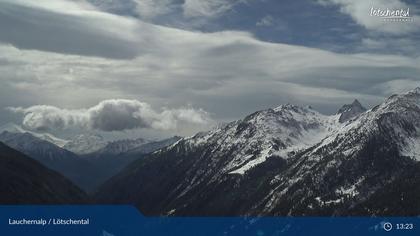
(85, 144)
(396, 121)
(13, 128)
(349, 111)
(281, 132)
(290, 131)
(288, 161)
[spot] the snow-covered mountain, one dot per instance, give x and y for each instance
(88, 160)
(13, 128)
(134, 146)
(121, 146)
(349, 111)
(59, 159)
(281, 131)
(289, 160)
(88, 143)
(85, 144)
(152, 146)
(35, 147)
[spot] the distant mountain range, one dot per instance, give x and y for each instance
(79, 170)
(118, 154)
(26, 181)
(93, 161)
(13, 128)
(85, 143)
(286, 161)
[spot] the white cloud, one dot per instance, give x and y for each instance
(267, 20)
(144, 9)
(401, 45)
(227, 73)
(208, 8)
(153, 8)
(109, 115)
(397, 86)
(180, 11)
(372, 43)
(360, 11)
(272, 23)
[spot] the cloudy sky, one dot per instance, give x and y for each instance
(164, 67)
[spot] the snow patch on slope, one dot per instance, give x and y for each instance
(412, 148)
(280, 132)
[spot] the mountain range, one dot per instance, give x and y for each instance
(24, 180)
(286, 161)
(85, 143)
(117, 154)
(52, 156)
(87, 160)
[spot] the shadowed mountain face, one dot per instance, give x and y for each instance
(111, 159)
(400, 197)
(285, 161)
(87, 171)
(65, 162)
(25, 181)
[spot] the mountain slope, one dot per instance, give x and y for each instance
(65, 162)
(223, 154)
(284, 161)
(116, 155)
(25, 181)
(87, 171)
(399, 197)
(152, 146)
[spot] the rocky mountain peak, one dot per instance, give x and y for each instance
(286, 161)
(293, 108)
(349, 111)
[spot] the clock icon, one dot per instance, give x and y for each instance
(387, 226)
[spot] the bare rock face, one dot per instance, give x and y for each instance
(349, 111)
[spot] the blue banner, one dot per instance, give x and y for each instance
(98, 220)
